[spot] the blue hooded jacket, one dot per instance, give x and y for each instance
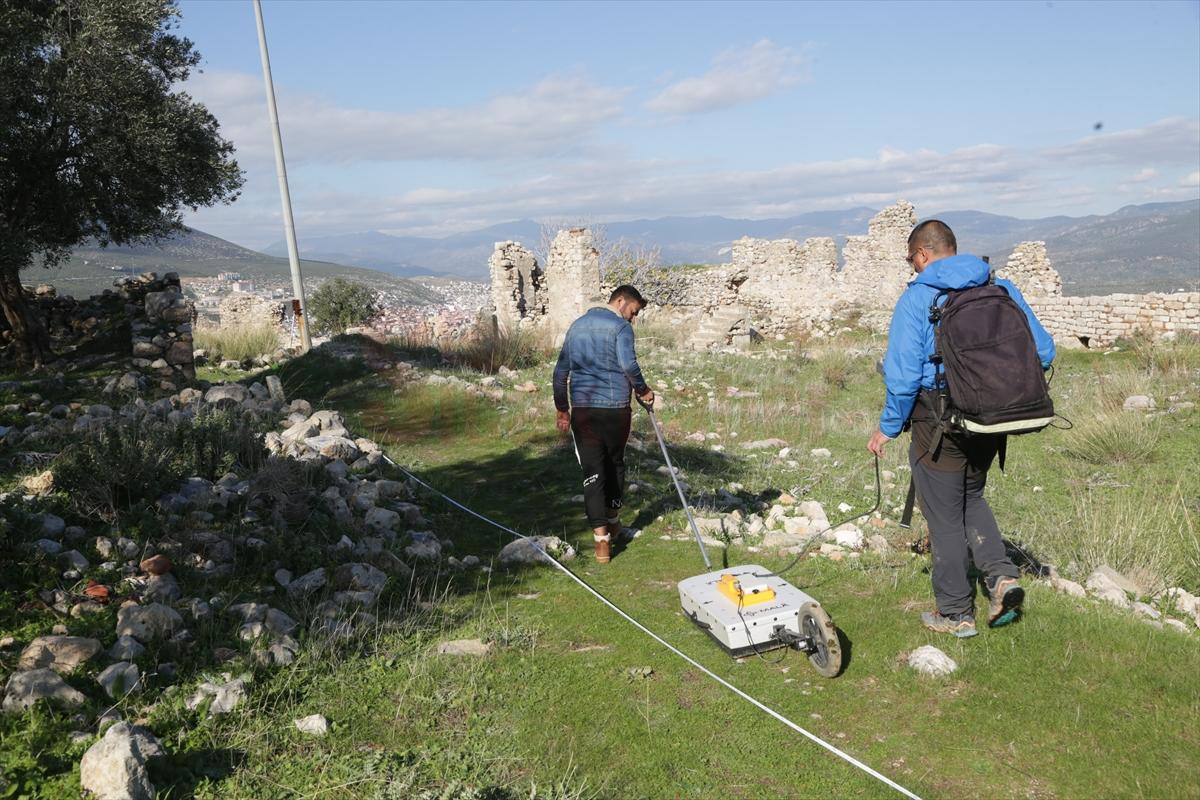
(906, 367)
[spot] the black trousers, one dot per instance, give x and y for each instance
(600, 435)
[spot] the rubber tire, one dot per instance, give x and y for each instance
(813, 618)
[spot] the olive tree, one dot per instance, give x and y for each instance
(96, 141)
(340, 303)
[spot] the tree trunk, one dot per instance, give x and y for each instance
(30, 337)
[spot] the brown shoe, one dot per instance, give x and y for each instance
(603, 551)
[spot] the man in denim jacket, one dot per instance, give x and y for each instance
(950, 480)
(599, 360)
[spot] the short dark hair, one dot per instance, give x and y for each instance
(629, 293)
(934, 235)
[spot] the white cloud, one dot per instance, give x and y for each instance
(737, 77)
(1175, 140)
(553, 118)
(1142, 176)
(989, 177)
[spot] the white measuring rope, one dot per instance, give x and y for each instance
(761, 706)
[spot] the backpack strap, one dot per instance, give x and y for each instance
(906, 517)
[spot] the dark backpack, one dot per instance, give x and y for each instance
(989, 378)
(988, 373)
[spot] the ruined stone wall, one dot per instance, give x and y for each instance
(247, 310)
(572, 277)
(874, 272)
(1029, 268)
(1100, 321)
(160, 319)
(518, 290)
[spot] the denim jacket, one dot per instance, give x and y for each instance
(599, 359)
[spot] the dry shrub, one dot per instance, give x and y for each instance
(1119, 437)
(237, 342)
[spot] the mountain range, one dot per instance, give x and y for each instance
(1139, 248)
(196, 254)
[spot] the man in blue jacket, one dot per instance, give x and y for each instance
(950, 479)
(599, 362)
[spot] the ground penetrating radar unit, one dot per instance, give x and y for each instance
(747, 609)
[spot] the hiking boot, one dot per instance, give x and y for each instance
(961, 625)
(1005, 596)
(603, 550)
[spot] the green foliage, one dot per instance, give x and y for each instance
(95, 142)
(237, 343)
(340, 303)
(131, 462)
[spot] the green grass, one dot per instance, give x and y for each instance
(1075, 697)
(1077, 700)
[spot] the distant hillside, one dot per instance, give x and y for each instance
(195, 254)
(1153, 247)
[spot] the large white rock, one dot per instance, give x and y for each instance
(147, 623)
(114, 768)
(382, 519)
(534, 549)
(63, 654)
(227, 391)
(1183, 600)
(464, 647)
(313, 724)
(928, 660)
(26, 688)
(119, 679)
(1101, 584)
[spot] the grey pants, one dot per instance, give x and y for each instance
(962, 529)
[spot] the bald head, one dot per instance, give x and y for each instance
(935, 236)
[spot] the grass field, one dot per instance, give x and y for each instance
(1078, 700)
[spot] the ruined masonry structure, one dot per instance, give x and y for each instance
(1029, 268)
(161, 329)
(572, 277)
(246, 310)
(518, 295)
(783, 285)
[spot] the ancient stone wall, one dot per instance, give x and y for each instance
(518, 292)
(1100, 321)
(1029, 268)
(160, 319)
(247, 310)
(572, 277)
(775, 286)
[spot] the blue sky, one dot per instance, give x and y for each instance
(434, 118)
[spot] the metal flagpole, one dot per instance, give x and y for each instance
(298, 304)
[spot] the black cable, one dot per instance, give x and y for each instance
(750, 636)
(804, 549)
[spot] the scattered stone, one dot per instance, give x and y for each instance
(147, 623)
(63, 654)
(126, 648)
(114, 768)
(1138, 402)
(119, 679)
(53, 526)
(764, 444)
(26, 688)
(534, 550)
(41, 484)
(162, 589)
(226, 696)
(1067, 586)
(314, 725)
(928, 660)
(1144, 610)
(820, 452)
(156, 565)
(464, 647)
(307, 584)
